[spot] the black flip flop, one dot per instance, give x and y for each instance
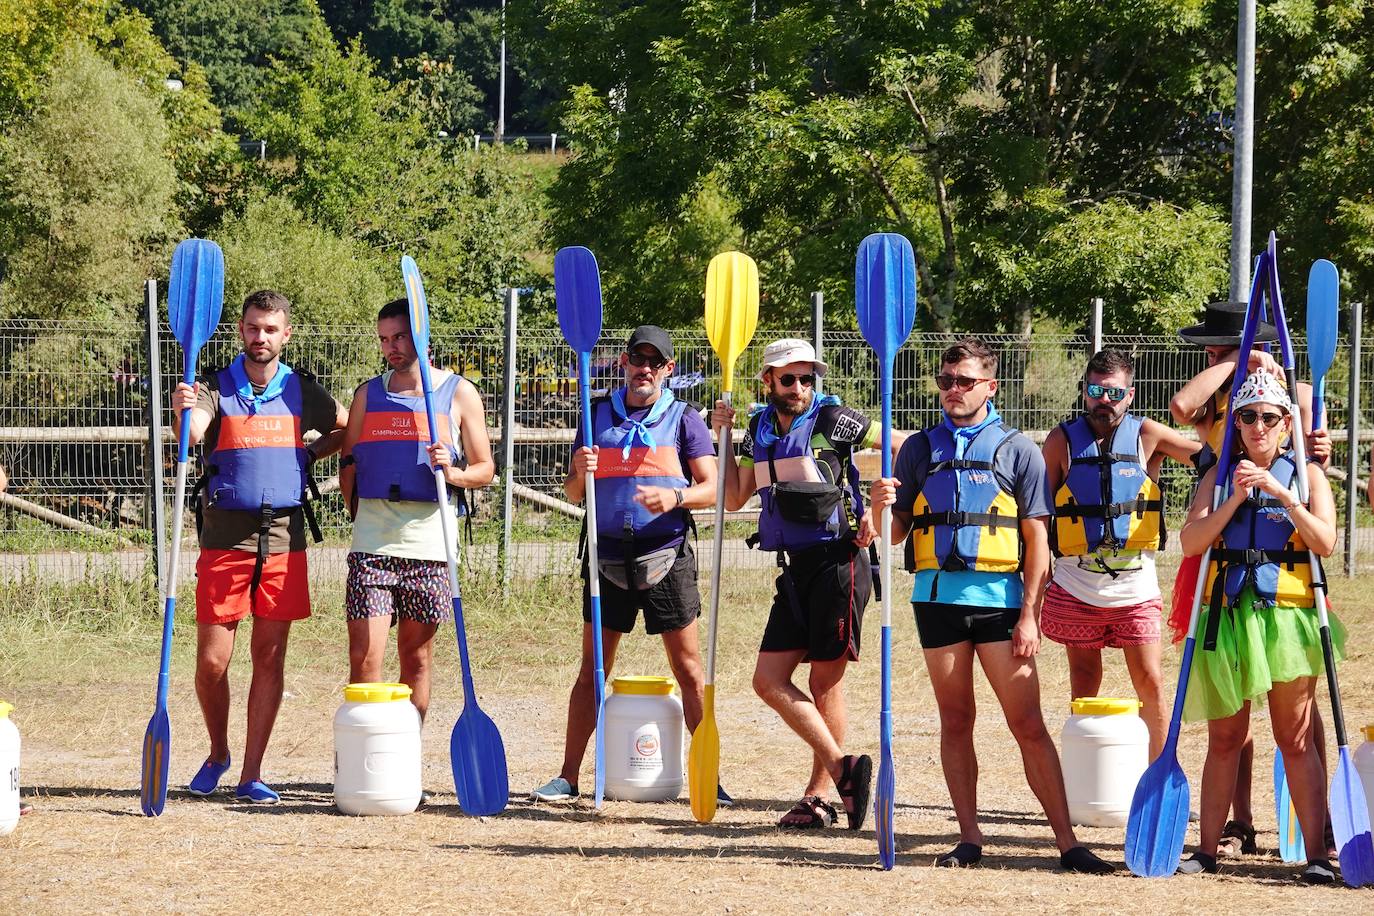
(855, 785)
(961, 856)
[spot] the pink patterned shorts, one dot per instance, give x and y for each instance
(1066, 620)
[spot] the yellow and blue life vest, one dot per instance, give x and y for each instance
(259, 460)
(1106, 499)
(963, 518)
(392, 452)
(636, 453)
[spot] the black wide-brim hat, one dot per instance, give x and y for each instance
(1222, 324)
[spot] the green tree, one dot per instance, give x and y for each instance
(32, 32)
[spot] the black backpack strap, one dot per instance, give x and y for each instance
(264, 532)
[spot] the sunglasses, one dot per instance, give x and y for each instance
(1098, 392)
(788, 380)
(946, 381)
(643, 359)
(1248, 417)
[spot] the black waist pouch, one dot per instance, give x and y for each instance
(806, 502)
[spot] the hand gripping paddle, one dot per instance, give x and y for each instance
(1349, 808)
(885, 297)
(1158, 819)
(577, 289)
(195, 295)
(476, 752)
(732, 312)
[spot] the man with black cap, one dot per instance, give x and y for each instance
(653, 461)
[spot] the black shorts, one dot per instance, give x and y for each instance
(940, 625)
(670, 604)
(833, 586)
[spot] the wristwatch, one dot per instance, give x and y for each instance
(678, 494)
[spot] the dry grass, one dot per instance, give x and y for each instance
(84, 690)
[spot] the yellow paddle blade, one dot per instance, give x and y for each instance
(703, 761)
(732, 308)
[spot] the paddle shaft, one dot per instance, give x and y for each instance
(584, 374)
(883, 804)
(718, 540)
(169, 600)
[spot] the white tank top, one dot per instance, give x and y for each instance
(1084, 578)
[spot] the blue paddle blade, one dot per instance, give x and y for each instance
(1158, 820)
(884, 802)
(577, 289)
(885, 292)
(478, 757)
(419, 305)
(1323, 311)
(195, 292)
(1292, 847)
(1350, 823)
(157, 743)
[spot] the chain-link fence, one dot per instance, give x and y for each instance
(74, 428)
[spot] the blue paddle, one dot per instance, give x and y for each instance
(1323, 318)
(885, 297)
(1158, 820)
(1349, 809)
(577, 289)
(1292, 846)
(476, 752)
(195, 295)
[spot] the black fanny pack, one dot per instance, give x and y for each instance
(806, 502)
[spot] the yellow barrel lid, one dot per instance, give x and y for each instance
(1368, 730)
(376, 693)
(5, 709)
(644, 685)
(1104, 706)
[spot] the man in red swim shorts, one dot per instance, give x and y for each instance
(252, 415)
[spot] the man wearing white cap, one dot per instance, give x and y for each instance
(798, 456)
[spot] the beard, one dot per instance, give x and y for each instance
(262, 355)
(793, 406)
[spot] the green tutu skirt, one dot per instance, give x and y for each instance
(1257, 647)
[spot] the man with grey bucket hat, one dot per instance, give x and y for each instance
(798, 456)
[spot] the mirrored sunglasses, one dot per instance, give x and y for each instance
(1098, 392)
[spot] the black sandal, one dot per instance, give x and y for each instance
(816, 811)
(856, 782)
(961, 856)
(1237, 839)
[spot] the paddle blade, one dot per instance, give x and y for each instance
(732, 309)
(884, 802)
(1158, 821)
(478, 757)
(157, 746)
(1350, 823)
(1292, 847)
(577, 289)
(885, 291)
(419, 305)
(1323, 311)
(195, 292)
(703, 761)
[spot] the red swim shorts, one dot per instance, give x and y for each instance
(224, 577)
(1066, 620)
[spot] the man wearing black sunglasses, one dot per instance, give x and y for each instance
(971, 490)
(1102, 468)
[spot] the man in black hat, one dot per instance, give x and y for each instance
(653, 461)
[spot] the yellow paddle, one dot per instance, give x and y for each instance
(732, 311)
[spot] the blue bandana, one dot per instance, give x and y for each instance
(767, 434)
(244, 388)
(639, 429)
(963, 435)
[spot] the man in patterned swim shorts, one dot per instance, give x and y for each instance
(397, 566)
(1102, 472)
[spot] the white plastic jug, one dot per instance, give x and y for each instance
(1105, 750)
(643, 740)
(9, 771)
(377, 750)
(1364, 765)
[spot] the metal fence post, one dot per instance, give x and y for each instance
(508, 438)
(1353, 496)
(818, 326)
(154, 459)
(1097, 324)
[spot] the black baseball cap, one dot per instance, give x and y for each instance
(652, 335)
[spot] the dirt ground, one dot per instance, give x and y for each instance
(82, 703)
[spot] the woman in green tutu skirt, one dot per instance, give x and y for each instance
(1258, 636)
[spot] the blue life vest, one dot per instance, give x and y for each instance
(1260, 547)
(963, 519)
(801, 508)
(391, 454)
(634, 455)
(1106, 499)
(259, 460)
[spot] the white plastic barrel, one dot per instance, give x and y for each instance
(1105, 750)
(377, 750)
(643, 740)
(1364, 765)
(9, 771)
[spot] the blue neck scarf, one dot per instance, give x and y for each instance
(639, 429)
(243, 387)
(963, 435)
(767, 432)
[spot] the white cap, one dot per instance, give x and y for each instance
(790, 350)
(1260, 387)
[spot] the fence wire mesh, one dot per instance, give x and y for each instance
(74, 427)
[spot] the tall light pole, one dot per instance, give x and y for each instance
(1242, 157)
(501, 90)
